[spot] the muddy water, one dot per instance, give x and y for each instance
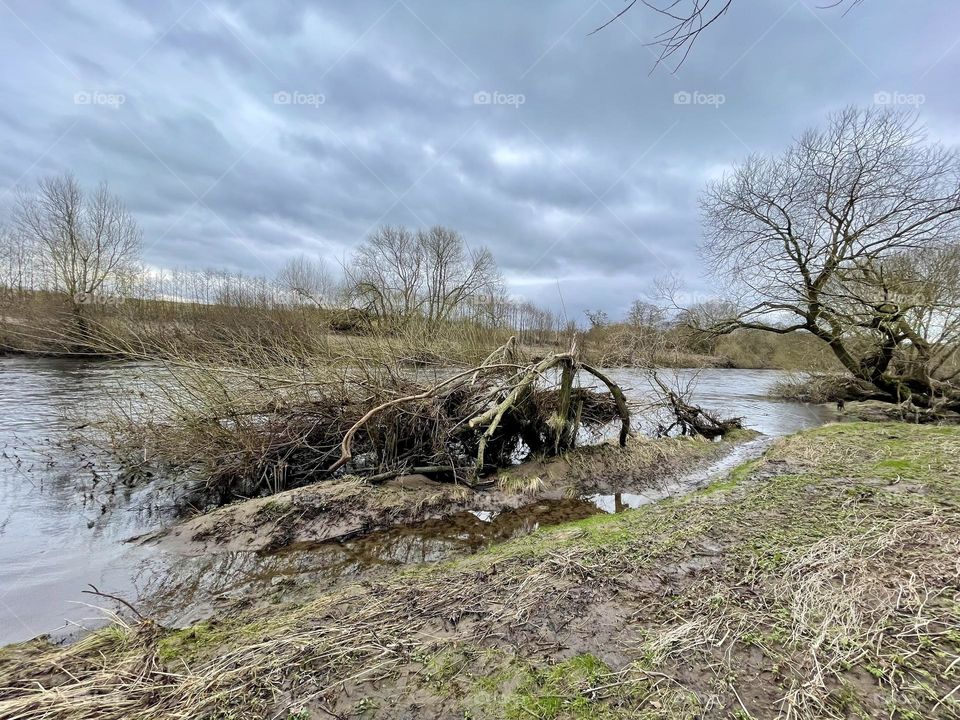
(64, 518)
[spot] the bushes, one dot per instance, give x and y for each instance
(268, 426)
(814, 388)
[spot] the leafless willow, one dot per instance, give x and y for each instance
(850, 235)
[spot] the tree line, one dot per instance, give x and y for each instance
(847, 239)
(80, 251)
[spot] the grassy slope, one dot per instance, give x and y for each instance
(821, 581)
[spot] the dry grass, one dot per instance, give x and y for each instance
(816, 388)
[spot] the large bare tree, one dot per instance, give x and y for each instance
(84, 241)
(851, 235)
(399, 274)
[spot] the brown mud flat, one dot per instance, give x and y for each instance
(819, 582)
(349, 508)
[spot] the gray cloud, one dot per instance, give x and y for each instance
(590, 184)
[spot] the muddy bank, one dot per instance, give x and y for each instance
(880, 411)
(54, 543)
(349, 508)
(820, 581)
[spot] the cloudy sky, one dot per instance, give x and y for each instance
(244, 132)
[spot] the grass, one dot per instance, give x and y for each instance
(511, 483)
(820, 582)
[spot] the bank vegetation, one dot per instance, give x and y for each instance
(818, 582)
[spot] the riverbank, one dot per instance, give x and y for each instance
(42, 325)
(819, 581)
(339, 510)
(51, 548)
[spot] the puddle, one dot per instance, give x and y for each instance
(203, 584)
(686, 483)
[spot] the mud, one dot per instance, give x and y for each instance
(569, 488)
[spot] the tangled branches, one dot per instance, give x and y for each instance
(261, 432)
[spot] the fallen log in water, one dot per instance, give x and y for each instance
(263, 432)
(510, 408)
(692, 419)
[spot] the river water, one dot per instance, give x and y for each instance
(64, 518)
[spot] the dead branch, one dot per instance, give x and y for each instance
(692, 419)
(94, 591)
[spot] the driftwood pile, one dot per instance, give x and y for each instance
(270, 433)
(378, 426)
(483, 416)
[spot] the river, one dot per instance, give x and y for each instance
(64, 519)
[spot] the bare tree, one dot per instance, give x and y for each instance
(399, 275)
(453, 273)
(16, 260)
(85, 240)
(307, 280)
(597, 318)
(644, 326)
(851, 235)
(386, 274)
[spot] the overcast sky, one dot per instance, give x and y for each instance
(242, 133)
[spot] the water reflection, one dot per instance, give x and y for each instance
(63, 518)
(683, 484)
(212, 580)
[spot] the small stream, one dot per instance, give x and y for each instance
(64, 519)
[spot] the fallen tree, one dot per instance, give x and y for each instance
(688, 418)
(257, 433)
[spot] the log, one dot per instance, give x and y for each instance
(694, 420)
(619, 398)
